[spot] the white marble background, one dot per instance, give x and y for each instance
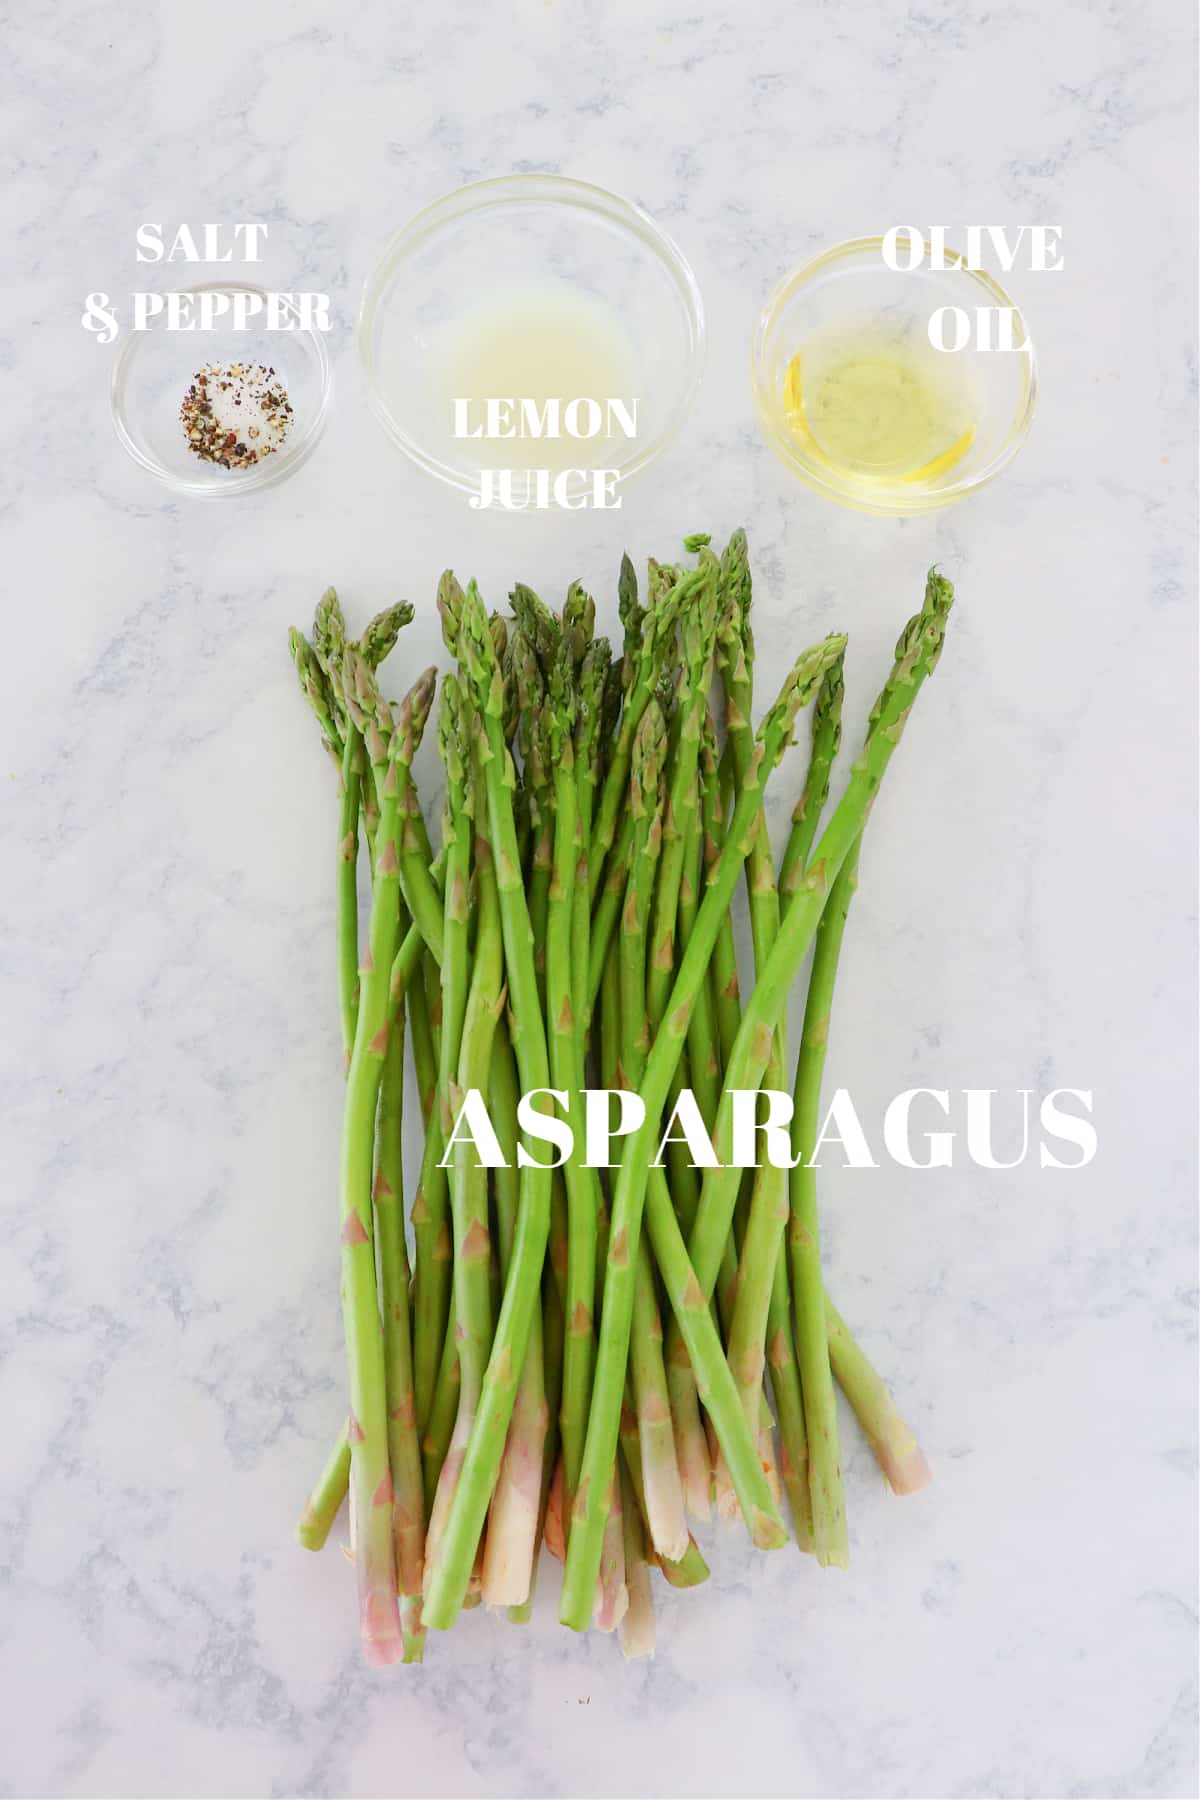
(169, 1354)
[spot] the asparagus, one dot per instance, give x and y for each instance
(582, 1186)
(826, 741)
(899, 1454)
(431, 1228)
(593, 674)
(587, 1528)
(573, 851)
(439, 1427)
(404, 1452)
(637, 1627)
(816, 1376)
(518, 1503)
(754, 1284)
(612, 1593)
(472, 1242)
(726, 994)
(653, 631)
(917, 653)
(698, 633)
(663, 1491)
(321, 1507)
(371, 1480)
(538, 788)
(446, 1582)
(691, 1568)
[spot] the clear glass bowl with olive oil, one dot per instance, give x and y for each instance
(854, 397)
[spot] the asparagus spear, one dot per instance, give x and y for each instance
(698, 631)
(404, 1451)
(517, 1505)
(469, 1186)
(345, 746)
(899, 1454)
(538, 787)
(726, 994)
(916, 656)
(669, 593)
(593, 679)
(825, 1475)
(321, 1507)
(371, 1481)
(582, 1185)
(826, 741)
(446, 1582)
(439, 1427)
(431, 1227)
(583, 1551)
(663, 1491)
(637, 1627)
(767, 1212)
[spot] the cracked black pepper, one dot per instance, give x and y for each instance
(235, 414)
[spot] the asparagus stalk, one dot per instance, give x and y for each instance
(371, 1481)
(691, 1569)
(637, 1627)
(698, 634)
(789, 1407)
(321, 1507)
(446, 1583)
(431, 1228)
(768, 1207)
(676, 903)
(538, 786)
(469, 1188)
(726, 994)
(582, 1185)
(612, 1594)
(608, 909)
(587, 1527)
(517, 1505)
(663, 1491)
(826, 741)
(916, 656)
(552, 1329)
(825, 1476)
(439, 1428)
(593, 674)
(897, 1450)
(669, 593)
(318, 691)
(404, 1451)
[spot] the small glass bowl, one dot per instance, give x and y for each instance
(851, 287)
(155, 368)
(519, 234)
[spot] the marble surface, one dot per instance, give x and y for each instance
(169, 1339)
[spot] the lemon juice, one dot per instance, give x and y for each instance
(534, 348)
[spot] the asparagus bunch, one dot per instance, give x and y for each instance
(544, 1367)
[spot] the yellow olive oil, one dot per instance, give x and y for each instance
(878, 408)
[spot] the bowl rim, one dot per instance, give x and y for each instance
(893, 502)
(496, 192)
(262, 475)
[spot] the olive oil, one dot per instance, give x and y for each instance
(880, 408)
